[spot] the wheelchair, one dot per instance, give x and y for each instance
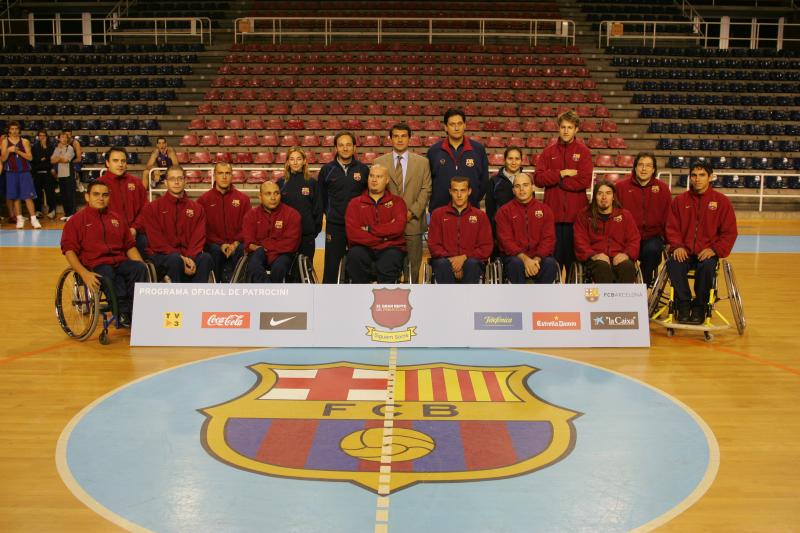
(160, 275)
(496, 272)
(579, 273)
(488, 275)
(662, 308)
(301, 270)
(78, 308)
(343, 277)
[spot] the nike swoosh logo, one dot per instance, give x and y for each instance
(273, 322)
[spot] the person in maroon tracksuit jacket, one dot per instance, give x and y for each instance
(526, 236)
(459, 237)
(272, 233)
(375, 223)
(225, 208)
(128, 195)
(564, 170)
(176, 232)
(100, 248)
(606, 238)
(648, 199)
(701, 228)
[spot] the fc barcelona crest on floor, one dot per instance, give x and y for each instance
(449, 423)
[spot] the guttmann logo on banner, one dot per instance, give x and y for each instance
(451, 423)
(391, 309)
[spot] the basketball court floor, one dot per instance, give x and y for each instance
(685, 435)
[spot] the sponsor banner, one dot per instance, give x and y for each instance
(381, 315)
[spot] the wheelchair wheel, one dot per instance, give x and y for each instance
(658, 296)
(427, 272)
(240, 270)
(77, 306)
(306, 269)
(576, 273)
(341, 275)
(737, 308)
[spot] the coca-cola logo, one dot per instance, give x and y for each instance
(226, 320)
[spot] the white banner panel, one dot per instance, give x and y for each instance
(396, 315)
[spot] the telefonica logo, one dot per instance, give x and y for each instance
(507, 321)
(615, 320)
(557, 321)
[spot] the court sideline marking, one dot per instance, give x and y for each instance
(385, 474)
(744, 355)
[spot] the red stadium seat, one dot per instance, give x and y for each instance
(193, 176)
(299, 109)
(242, 109)
(314, 124)
(222, 157)
(255, 124)
(415, 141)
(530, 126)
(373, 124)
(238, 176)
(624, 161)
(536, 142)
(512, 125)
(275, 124)
(260, 109)
(550, 126)
(223, 109)
(290, 140)
(546, 111)
(269, 140)
(354, 124)
(216, 124)
(263, 158)
(608, 126)
(495, 141)
(601, 111)
(190, 139)
(617, 143)
(276, 175)
(295, 124)
(430, 140)
(183, 157)
(243, 158)
(205, 109)
(257, 176)
(496, 159)
(318, 109)
(589, 126)
(604, 160)
(596, 142)
(310, 141)
(229, 140)
(519, 142)
(280, 108)
(197, 124)
(200, 158)
(371, 141)
(326, 157)
(334, 124)
(368, 157)
(613, 177)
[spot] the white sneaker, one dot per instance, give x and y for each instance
(20, 222)
(64, 219)
(35, 223)
(52, 214)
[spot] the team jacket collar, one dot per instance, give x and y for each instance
(446, 146)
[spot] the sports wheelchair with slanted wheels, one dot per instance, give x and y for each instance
(579, 273)
(343, 277)
(301, 270)
(662, 308)
(496, 272)
(79, 308)
(488, 272)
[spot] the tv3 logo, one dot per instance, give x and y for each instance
(173, 320)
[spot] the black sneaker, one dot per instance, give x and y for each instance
(125, 320)
(683, 313)
(697, 315)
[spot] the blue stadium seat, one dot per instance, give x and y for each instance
(648, 112)
(740, 163)
(748, 145)
(776, 182)
(101, 140)
(752, 182)
(782, 163)
(760, 163)
(88, 158)
(133, 158)
(129, 124)
(110, 124)
(120, 109)
(689, 144)
(91, 124)
(150, 124)
(793, 181)
(789, 146)
(119, 140)
(140, 140)
(158, 109)
(698, 128)
(720, 162)
(678, 162)
(666, 143)
(710, 145)
(732, 181)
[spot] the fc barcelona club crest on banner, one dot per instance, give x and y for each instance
(391, 309)
(449, 423)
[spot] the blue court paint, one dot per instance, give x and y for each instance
(21, 238)
(138, 454)
(767, 244)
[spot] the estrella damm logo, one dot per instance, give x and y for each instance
(449, 423)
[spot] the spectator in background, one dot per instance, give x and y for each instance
(457, 155)
(564, 170)
(161, 158)
(16, 155)
(409, 178)
(63, 154)
(76, 161)
(341, 180)
(43, 178)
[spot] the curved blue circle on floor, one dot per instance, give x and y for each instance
(144, 455)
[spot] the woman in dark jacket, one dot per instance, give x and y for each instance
(300, 191)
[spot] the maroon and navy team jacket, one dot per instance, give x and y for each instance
(277, 231)
(565, 196)
(385, 221)
(699, 221)
(224, 214)
(126, 196)
(526, 228)
(649, 204)
(97, 237)
(613, 236)
(451, 233)
(174, 225)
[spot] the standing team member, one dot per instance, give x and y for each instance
(98, 246)
(61, 157)
(564, 170)
(526, 236)
(501, 185)
(128, 195)
(457, 155)
(176, 232)
(225, 208)
(16, 155)
(162, 158)
(701, 228)
(606, 238)
(341, 180)
(43, 179)
(375, 223)
(648, 199)
(459, 238)
(300, 191)
(272, 233)
(409, 178)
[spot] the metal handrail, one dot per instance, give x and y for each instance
(376, 27)
(196, 26)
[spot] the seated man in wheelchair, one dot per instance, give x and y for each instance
(99, 246)
(526, 236)
(701, 228)
(272, 234)
(176, 231)
(606, 238)
(375, 222)
(648, 199)
(459, 237)
(225, 208)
